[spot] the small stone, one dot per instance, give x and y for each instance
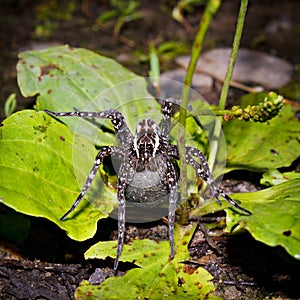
(97, 277)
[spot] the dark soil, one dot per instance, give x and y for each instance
(47, 264)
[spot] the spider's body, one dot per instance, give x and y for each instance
(147, 172)
(145, 186)
(150, 161)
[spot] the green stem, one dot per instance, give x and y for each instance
(235, 48)
(211, 8)
(222, 103)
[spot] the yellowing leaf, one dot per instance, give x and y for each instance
(157, 277)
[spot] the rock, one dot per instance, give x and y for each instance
(172, 82)
(199, 80)
(251, 67)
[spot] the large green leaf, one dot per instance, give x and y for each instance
(263, 146)
(65, 79)
(157, 277)
(275, 218)
(43, 167)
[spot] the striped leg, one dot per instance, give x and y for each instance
(123, 133)
(98, 161)
(172, 206)
(204, 172)
(168, 176)
(125, 171)
(167, 115)
(167, 112)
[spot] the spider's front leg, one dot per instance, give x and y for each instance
(167, 112)
(122, 131)
(205, 174)
(105, 151)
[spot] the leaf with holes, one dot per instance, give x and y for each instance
(275, 215)
(43, 167)
(275, 218)
(68, 79)
(157, 276)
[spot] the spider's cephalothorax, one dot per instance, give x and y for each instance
(146, 140)
(147, 173)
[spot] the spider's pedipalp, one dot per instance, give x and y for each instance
(205, 174)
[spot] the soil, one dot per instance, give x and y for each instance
(47, 264)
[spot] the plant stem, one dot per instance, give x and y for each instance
(235, 48)
(224, 93)
(211, 8)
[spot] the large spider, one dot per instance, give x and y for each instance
(147, 171)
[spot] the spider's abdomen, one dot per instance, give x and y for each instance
(146, 188)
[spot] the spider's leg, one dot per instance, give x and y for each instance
(98, 161)
(167, 114)
(122, 131)
(122, 183)
(167, 111)
(172, 185)
(172, 151)
(205, 174)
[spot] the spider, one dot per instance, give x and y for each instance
(147, 171)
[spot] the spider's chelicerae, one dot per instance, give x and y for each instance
(147, 171)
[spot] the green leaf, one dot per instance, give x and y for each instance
(273, 177)
(65, 79)
(259, 147)
(158, 277)
(275, 218)
(43, 167)
(10, 104)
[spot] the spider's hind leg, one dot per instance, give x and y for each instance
(203, 171)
